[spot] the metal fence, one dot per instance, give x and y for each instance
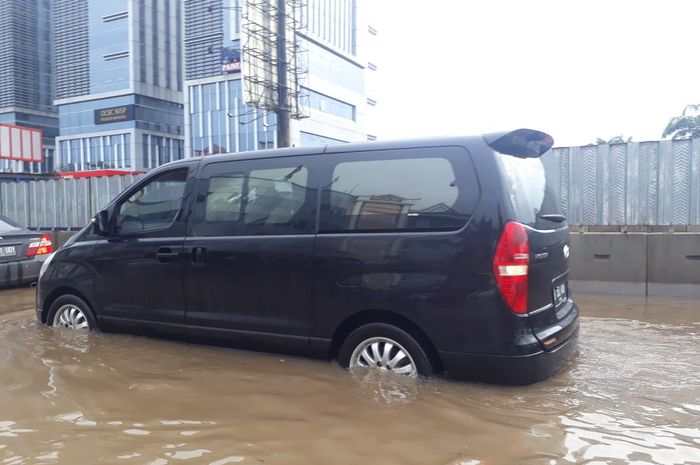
(59, 203)
(638, 183)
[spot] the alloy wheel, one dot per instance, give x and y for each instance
(70, 316)
(384, 354)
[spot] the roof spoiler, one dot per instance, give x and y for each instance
(523, 143)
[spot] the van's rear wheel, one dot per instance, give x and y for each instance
(381, 346)
(72, 312)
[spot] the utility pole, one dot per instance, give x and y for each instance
(282, 110)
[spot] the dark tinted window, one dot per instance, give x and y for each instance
(154, 206)
(223, 199)
(237, 201)
(529, 191)
(419, 191)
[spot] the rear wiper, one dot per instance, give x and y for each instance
(554, 217)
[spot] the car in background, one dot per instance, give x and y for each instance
(22, 252)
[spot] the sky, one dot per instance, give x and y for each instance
(575, 69)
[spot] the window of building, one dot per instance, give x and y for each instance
(154, 206)
(238, 202)
(142, 41)
(309, 139)
(221, 122)
(115, 16)
(108, 29)
(232, 21)
(95, 145)
(334, 22)
(156, 34)
(127, 150)
(392, 194)
(328, 104)
(115, 55)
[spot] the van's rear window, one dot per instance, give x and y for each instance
(530, 192)
(400, 193)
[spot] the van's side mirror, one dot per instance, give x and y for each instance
(101, 223)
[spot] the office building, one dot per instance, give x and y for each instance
(26, 92)
(118, 84)
(334, 36)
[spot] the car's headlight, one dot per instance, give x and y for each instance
(45, 265)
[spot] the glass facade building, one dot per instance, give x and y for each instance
(118, 84)
(221, 122)
(217, 119)
(333, 21)
(26, 92)
(108, 30)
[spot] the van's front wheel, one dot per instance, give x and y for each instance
(384, 347)
(72, 312)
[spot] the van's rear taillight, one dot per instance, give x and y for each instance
(41, 247)
(510, 266)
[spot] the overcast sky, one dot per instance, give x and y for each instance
(576, 69)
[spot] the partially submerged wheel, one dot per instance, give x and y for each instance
(72, 312)
(385, 353)
(381, 346)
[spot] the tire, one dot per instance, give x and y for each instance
(78, 314)
(350, 353)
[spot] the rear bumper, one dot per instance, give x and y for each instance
(19, 273)
(514, 369)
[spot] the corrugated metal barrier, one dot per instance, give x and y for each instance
(638, 183)
(59, 203)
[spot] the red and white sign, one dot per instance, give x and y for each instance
(21, 143)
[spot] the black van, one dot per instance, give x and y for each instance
(418, 257)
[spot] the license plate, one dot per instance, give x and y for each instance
(8, 251)
(559, 293)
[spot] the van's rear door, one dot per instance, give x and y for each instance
(535, 204)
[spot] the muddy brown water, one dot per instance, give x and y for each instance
(632, 395)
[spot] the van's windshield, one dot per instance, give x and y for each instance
(530, 192)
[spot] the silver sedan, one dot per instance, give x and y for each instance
(22, 252)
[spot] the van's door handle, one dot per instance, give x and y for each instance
(199, 255)
(165, 254)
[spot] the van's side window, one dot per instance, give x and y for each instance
(256, 201)
(392, 194)
(154, 206)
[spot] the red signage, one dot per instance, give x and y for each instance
(96, 173)
(21, 143)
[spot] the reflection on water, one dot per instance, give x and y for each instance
(632, 395)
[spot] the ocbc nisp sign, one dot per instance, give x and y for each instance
(21, 143)
(114, 114)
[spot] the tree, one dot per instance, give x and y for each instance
(686, 126)
(613, 140)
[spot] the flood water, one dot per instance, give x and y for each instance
(632, 395)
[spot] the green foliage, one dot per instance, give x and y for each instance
(686, 126)
(613, 140)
